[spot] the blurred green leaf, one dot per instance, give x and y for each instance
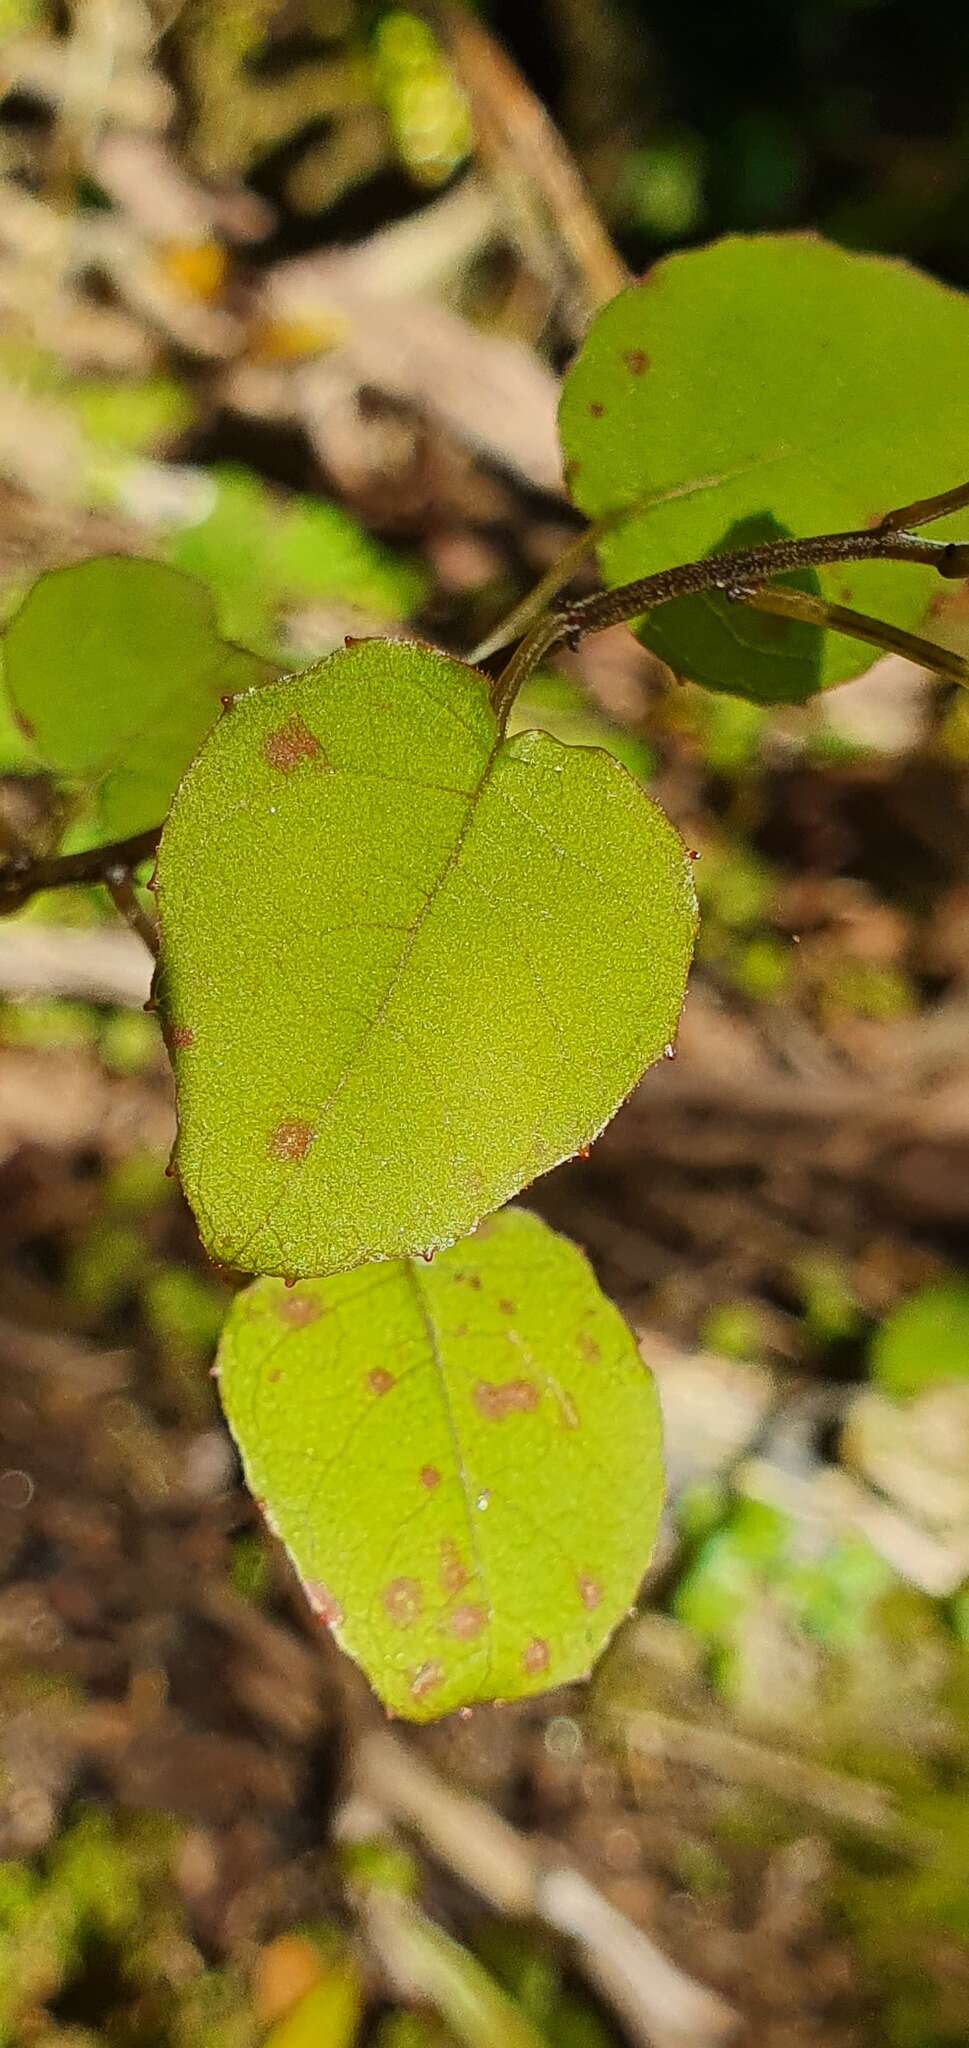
(328, 2017)
(115, 669)
(184, 1310)
(429, 116)
(446, 1977)
(923, 1341)
(260, 551)
(132, 416)
(463, 1460)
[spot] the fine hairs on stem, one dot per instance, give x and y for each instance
(741, 573)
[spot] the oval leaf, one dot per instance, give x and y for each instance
(115, 669)
(407, 965)
(756, 388)
(462, 1459)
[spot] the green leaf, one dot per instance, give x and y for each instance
(408, 965)
(924, 1341)
(763, 387)
(133, 415)
(463, 1460)
(115, 670)
(260, 552)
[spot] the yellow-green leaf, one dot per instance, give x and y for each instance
(408, 964)
(463, 1460)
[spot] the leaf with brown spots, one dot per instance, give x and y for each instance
(460, 1541)
(757, 387)
(423, 961)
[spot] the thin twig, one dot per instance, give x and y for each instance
(558, 573)
(924, 510)
(738, 571)
(740, 1760)
(660, 2004)
(121, 889)
(25, 877)
(837, 618)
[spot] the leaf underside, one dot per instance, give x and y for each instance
(407, 965)
(759, 387)
(463, 1460)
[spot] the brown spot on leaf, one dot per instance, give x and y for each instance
(495, 1400)
(430, 1477)
(275, 1374)
(298, 1310)
(466, 1279)
(402, 1602)
(589, 1349)
(291, 1140)
(180, 1037)
(327, 1610)
(507, 1307)
(454, 1575)
(290, 744)
(596, 410)
(590, 1592)
(571, 471)
(426, 1680)
(380, 1381)
(467, 1622)
(536, 1657)
(637, 361)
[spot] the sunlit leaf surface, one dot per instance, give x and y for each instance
(407, 965)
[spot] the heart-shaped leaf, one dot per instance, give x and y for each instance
(463, 1460)
(408, 964)
(115, 669)
(756, 388)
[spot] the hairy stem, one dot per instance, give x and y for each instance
(740, 570)
(23, 877)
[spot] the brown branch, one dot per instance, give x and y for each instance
(24, 877)
(736, 572)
